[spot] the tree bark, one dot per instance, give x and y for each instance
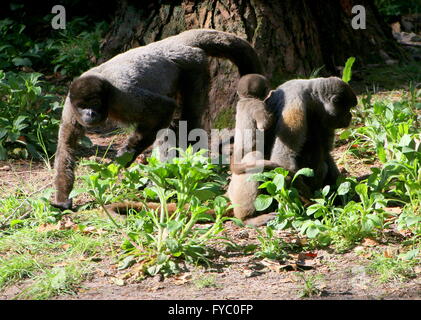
(292, 37)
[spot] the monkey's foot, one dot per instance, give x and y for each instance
(261, 220)
(66, 205)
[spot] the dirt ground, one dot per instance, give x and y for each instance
(232, 275)
(237, 277)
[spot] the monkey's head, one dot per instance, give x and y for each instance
(88, 96)
(253, 85)
(338, 98)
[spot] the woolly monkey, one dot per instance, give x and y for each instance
(139, 87)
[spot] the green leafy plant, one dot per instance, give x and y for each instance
(347, 73)
(160, 240)
(206, 282)
(310, 285)
(70, 51)
(29, 118)
(290, 209)
(391, 130)
(391, 133)
(398, 268)
(74, 49)
(325, 221)
(397, 7)
(270, 246)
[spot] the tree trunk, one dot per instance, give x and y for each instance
(292, 37)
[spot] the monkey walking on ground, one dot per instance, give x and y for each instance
(307, 113)
(139, 87)
(251, 114)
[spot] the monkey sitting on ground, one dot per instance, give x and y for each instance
(251, 114)
(139, 87)
(307, 113)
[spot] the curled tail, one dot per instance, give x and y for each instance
(225, 45)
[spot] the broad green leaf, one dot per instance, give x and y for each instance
(124, 159)
(126, 263)
(326, 190)
(307, 172)
(85, 142)
(313, 208)
(412, 254)
(15, 222)
(279, 182)
(345, 134)
(263, 202)
(347, 73)
(361, 189)
(22, 62)
(344, 188)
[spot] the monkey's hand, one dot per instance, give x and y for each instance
(66, 205)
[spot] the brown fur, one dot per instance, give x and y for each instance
(309, 112)
(251, 115)
(122, 208)
(140, 87)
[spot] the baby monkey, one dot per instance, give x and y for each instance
(253, 141)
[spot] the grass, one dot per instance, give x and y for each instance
(205, 281)
(52, 261)
(310, 284)
(391, 77)
(388, 269)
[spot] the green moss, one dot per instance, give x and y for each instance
(279, 78)
(225, 119)
(393, 76)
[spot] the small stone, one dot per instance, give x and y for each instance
(243, 234)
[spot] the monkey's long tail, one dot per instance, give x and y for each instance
(225, 45)
(122, 208)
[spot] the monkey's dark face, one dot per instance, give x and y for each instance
(88, 97)
(339, 106)
(90, 114)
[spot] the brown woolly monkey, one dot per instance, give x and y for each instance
(308, 112)
(139, 87)
(251, 114)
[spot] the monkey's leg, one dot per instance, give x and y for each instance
(156, 113)
(257, 166)
(332, 171)
(69, 133)
(193, 87)
(194, 95)
(261, 220)
(138, 142)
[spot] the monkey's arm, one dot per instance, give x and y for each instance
(69, 133)
(256, 165)
(264, 119)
